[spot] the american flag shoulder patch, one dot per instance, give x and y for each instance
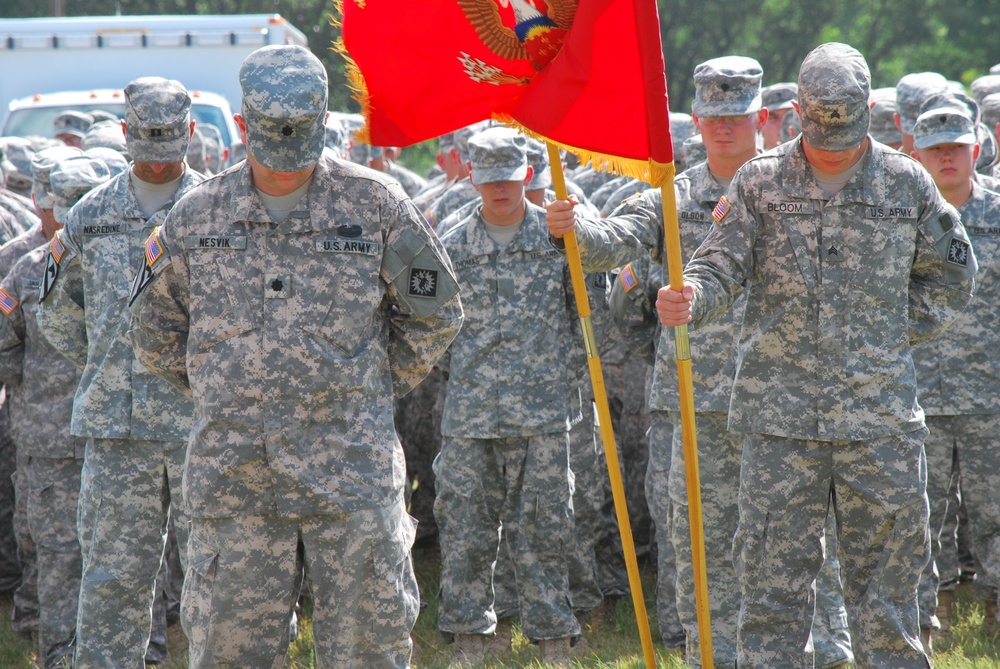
(57, 248)
(627, 278)
(7, 302)
(721, 209)
(153, 247)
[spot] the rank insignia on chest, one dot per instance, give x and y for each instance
(958, 253)
(721, 209)
(56, 248)
(627, 277)
(423, 282)
(7, 302)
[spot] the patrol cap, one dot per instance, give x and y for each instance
(498, 154)
(949, 99)
(834, 83)
(462, 135)
(779, 96)
(18, 153)
(157, 120)
(195, 156)
(538, 159)
(41, 165)
(284, 106)
(944, 125)
(73, 178)
(990, 110)
(911, 92)
(107, 134)
(100, 115)
(71, 122)
(727, 86)
(987, 149)
(883, 126)
(791, 127)
(983, 86)
(115, 161)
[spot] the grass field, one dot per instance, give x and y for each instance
(613, 644)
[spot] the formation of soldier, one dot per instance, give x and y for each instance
(230, 378)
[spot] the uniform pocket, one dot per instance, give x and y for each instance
(198, 593)
(395, 591)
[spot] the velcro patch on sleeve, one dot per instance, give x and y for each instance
(721, 210)
(7, 302)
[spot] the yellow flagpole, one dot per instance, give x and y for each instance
(686, 389)
(604, 417)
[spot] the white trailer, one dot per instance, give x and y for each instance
(48, 55)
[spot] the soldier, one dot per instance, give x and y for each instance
(777, 100)
(839, 286)
(911, 92)
(136, 425)
(336, 295)
(883, 127)
(69, 127)
(956, 382)
(504, 460)
(460, 191)
(41, 409)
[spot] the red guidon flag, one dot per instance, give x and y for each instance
(584, 74)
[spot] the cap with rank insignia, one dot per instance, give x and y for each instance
(284, 106)
(944, 125)
(727, 86)
(157, 120)
(834, 83)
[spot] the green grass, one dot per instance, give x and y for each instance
(613, 643)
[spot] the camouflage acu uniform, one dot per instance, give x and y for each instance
(323, 317)
(411, 182)
(41, 409)
(135, 423)
(958, 392)
(504, 459)
(775, 224)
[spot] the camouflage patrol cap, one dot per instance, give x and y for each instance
(107, 134)
(284, 105)
(983, 86)
(834, 83)
(498, 154)
(18, 153)
(990, 110)
(100, 115)
(987, 149)
(157, 120)
(727, 86)
(883, 126)
(73, 123)
(538, 159)
(911, 92)
(115, 161)
(73, 178)
(461, 138)
(41, 166)
(944, 125)
(791, 127)
(779, 96)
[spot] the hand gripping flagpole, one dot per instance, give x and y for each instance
(675, 269)
(604, 417)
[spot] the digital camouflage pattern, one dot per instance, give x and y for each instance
(360, 558)
(957, 390)
(506, 417)
(452, 199)
(834, 86)
(727, 86)
(498, 154)
(284, 105)
(348, 287)
(157, 119)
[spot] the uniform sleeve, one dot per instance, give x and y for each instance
(425, 309)
(634, 229)
(11, 332)
(60, 313)
(632, 306)
(158, 305)
(719, 268)
(942, 276)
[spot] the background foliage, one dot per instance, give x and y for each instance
(955, 37)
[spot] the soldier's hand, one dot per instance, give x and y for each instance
(674, 308)
(561, 216)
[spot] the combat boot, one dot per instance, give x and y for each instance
(502, 641)
(555, 652)
(943, 612)
(467, 651)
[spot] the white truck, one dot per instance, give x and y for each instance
(51, 64)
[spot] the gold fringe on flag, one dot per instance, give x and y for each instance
(355, 80)
(654, 173)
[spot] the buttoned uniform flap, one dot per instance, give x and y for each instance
(422, 284)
